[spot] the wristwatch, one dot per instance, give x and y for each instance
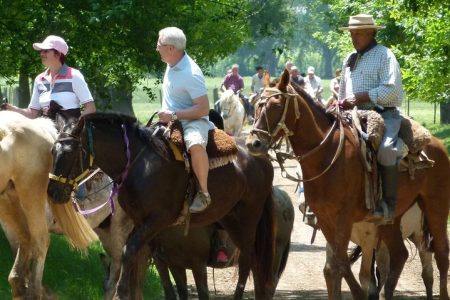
(174, 116)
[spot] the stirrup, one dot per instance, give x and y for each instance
(381, 217)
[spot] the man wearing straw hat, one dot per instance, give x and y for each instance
(371, 80)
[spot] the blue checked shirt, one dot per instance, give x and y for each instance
(377, 72)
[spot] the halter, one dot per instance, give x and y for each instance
(116, 186)
(231, 108)
(282, 126)
(75, 183)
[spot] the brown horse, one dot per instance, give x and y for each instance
(26, 160)
(196, 251)
(334, 183)
(152, 186)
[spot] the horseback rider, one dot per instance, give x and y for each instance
(235, 82)
(371, 80)
(185, 99)
(60, 83)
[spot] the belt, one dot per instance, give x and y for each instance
(384, 109)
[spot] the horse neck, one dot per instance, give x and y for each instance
(310, 129)
(110, 149)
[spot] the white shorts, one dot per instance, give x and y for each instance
(196, 132)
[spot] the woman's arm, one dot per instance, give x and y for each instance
(27, 112)
(88, 108)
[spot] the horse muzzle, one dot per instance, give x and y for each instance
(256, 146)
(59, 193)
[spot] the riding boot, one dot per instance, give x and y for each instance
(389, 178)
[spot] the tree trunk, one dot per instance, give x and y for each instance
(24, 90)
(327, 61)
(445, 112)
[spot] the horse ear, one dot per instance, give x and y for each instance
(284, 81)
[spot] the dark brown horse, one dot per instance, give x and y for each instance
(334, 183)
(196, 251)
(152, 186)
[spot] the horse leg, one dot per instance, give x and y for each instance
(392, 236)
(34, 211)
(365, 235)
(436, 218)
(179, 275)
(383, 262)
(12, 215)
(140, 236)
(244, 271)
(164, 276)
(338, 264)
(365, 270)
(201, 281)
(331, 275)
(113, 238)
(427, 265)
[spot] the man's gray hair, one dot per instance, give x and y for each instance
(173, 36)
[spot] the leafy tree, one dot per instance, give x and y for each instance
(113, 42)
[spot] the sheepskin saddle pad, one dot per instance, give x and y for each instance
(221, 148)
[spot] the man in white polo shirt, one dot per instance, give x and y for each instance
(185, 99)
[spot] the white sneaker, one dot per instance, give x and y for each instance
(200, 203)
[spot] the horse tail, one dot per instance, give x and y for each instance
(73, 225)
(355, 254)
(265, 244)
(284, 258)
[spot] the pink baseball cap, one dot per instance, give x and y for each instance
(52, 42)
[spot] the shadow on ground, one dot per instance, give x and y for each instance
(309, 295)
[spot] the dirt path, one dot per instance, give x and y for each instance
(303, 277)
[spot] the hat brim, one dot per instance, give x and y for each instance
(41, 46)
(361, 27)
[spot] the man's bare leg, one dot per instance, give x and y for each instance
(200, 165)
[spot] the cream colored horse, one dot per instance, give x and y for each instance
(26, 160)
(232, 111)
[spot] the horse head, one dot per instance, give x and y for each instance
(273, 118)
(228, 103)
(68, 159)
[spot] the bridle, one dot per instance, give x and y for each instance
(230, 108)
(281, 126)
(83, 177)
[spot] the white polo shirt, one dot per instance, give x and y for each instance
(182, 83)
(69, 89)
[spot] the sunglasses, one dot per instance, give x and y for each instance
(46, 50)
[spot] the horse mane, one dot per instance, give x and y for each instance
(145, 134)
(315, 105)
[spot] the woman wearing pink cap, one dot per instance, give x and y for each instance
(58, 83)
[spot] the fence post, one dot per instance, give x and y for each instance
(215, 94)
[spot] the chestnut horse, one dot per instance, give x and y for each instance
(26, 160)
(333, 177)
(152, 186)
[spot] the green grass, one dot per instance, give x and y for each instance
(69, 274)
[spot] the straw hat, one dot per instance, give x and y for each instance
(361, 21)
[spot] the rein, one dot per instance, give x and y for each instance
(281, 156)
(79, 179)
